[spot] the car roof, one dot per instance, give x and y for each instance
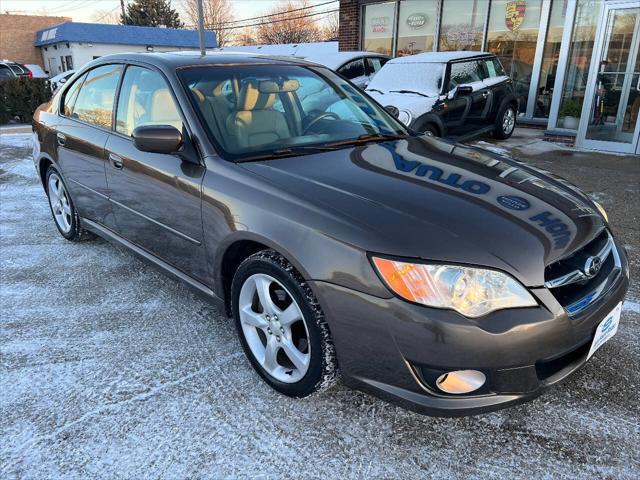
(181, 59)
(335, 60)
(439, 57)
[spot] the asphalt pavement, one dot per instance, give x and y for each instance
(109, 369)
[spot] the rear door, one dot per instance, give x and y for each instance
(87, 111)
(498, 84)
(155, 197)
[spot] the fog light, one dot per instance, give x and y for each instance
(461, 381)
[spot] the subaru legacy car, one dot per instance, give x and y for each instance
(440, 276)
(449, 94)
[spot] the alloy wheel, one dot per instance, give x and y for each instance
(60, 204)
(274, 328)
(508, 121)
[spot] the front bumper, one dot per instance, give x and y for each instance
(395, 349)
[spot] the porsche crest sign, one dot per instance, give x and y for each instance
(514, 14)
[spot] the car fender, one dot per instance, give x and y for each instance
(428, 118)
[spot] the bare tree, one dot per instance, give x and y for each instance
(106, 16)
(245, 36)
(331, 26)
(288, 24)
(217, 15)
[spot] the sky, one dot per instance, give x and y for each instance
(88, 10)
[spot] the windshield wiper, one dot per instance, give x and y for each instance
(409, 91)
(367, 137)
(375, 90)
(284, 152)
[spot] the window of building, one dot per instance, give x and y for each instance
(462, 25)
(513, 35)
(550, 56)
(94, 104)
(579, 60)
(69, 61)
(62, 63)
(417, 26)
(378, 27)
(353, 69)
(145, 99)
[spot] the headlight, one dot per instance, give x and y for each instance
(601, 209)
(405, 117)
(473, 292)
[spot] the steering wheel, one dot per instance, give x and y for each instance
(335, 116)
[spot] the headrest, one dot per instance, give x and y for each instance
(217, 91)
(198, 94)
(269, 86)
(251, 98)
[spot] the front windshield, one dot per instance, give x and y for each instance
(261, 110)
(424, 78)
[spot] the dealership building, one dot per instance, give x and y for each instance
(575, 63)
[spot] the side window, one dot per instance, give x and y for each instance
(493, 68)
(374, 64)
(5, 72)
(463, 73)
(71, 95)
(353, 69)
(145, 99)
(94, 104)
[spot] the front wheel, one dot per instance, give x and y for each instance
(281, 326)
(505, 122)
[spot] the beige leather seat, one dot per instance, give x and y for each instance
(163, 109)
(255, 122)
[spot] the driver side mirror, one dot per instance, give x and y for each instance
(393, 111)
(157, 138)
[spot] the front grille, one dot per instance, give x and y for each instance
(574, 284)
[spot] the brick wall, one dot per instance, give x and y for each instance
(349, 31)
(17, 34)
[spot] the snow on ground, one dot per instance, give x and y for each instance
(112, 370)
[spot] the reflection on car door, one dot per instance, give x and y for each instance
(87, 109)
(156, 197)
(496, 81)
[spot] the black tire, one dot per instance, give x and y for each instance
(322, 371)
(430, 130)
(76, 233)
(500, 129)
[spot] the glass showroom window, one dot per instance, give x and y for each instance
(378, 27)
(578, 62)
(513, 35)
(550, 55)
(417, 26)
(462, 24)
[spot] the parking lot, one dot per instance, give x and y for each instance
(110, 369)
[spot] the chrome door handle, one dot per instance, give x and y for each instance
(61, 138)
(486, 94)
(115, 161)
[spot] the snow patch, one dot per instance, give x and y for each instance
(630, 306)
(15, 140)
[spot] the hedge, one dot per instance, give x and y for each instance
(20, 97)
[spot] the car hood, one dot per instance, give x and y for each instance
(433, 200)
(415, 104)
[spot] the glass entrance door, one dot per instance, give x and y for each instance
(610, 119)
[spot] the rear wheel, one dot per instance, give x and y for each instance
(62, 208)
(281, 326)
(505, 122)
(430, 131)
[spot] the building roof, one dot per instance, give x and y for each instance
(438, 57)
(121, 35)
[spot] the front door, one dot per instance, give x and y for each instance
(155, 197)
(610, 119)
